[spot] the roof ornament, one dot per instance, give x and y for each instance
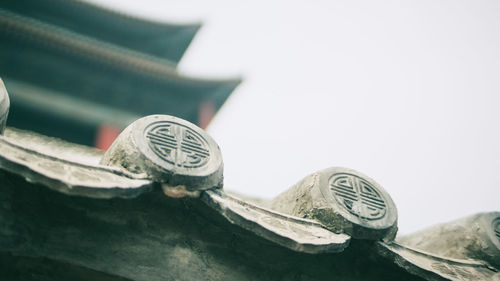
(171, 151)
(345, 201)
(317, 219)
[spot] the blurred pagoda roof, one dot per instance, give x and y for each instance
(82, 73)
(165, 40)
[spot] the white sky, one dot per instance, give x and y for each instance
(407, 92)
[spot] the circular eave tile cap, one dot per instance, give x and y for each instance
(179, 148)
(358, 198)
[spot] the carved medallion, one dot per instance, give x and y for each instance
(170, 151)
(358, 196)
(177, 144)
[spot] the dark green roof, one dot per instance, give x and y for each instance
(165, 40)
(39, 60)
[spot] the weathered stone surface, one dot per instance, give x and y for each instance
(292, 232)
(169, 150)
(38, 163)
(118, 225)
(476, 237)
(54, 147)
(432, 267)
(343, 200)
(155, 237)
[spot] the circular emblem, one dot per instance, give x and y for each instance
(357, 196)
(168, 150)
(177, 144)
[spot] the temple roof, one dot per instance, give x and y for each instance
(165, 40)
(49, 55)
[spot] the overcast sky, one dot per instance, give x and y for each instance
(407, 92)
